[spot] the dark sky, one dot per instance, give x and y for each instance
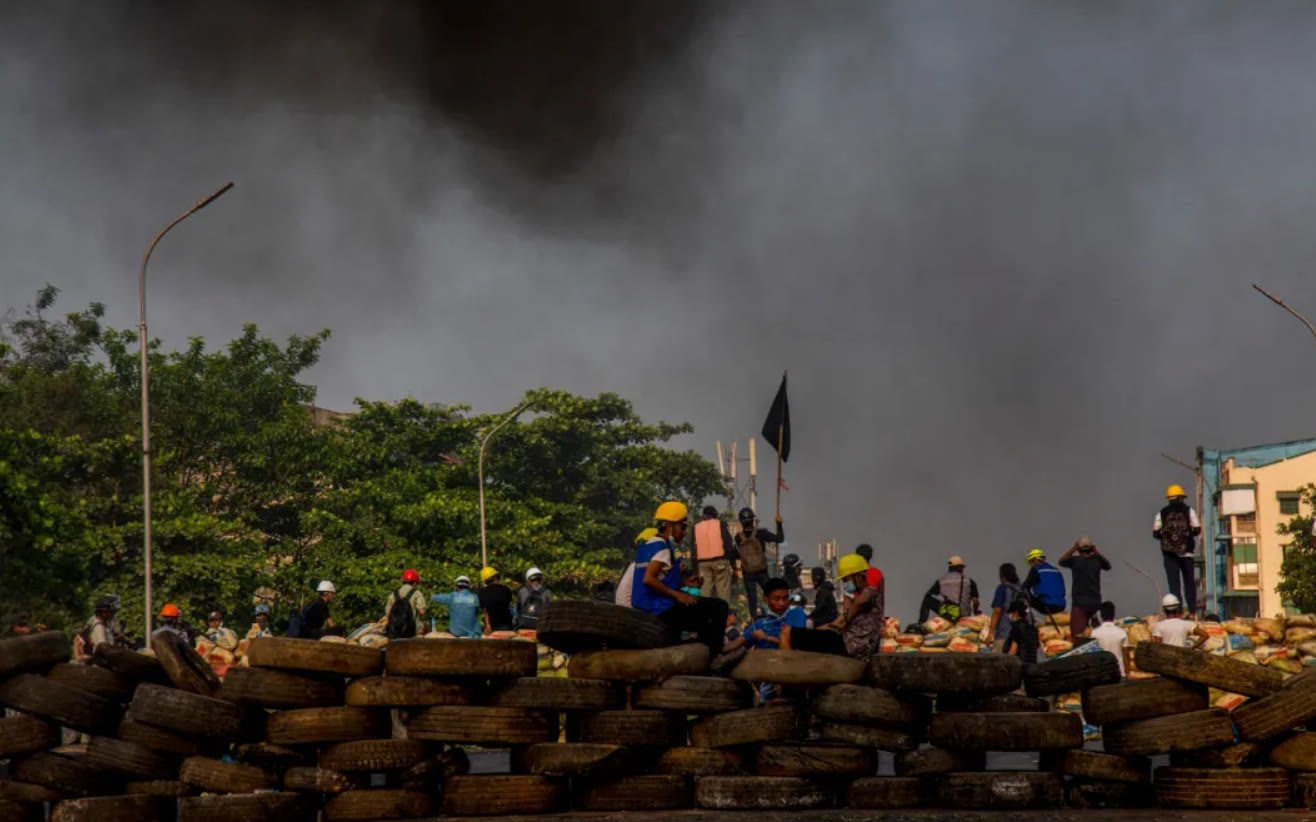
(1003, 248)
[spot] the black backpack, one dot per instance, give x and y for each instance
(529, 617)
(401, 619)
(295, 622)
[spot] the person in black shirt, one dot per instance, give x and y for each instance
(1023, 639)
(1085, 589)
(496, 601)
(824, 598)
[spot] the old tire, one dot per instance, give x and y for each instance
(26, 734)
(374, 755)
(113, 809)
(307, 726)
(1304, 790)
(573, 626)
(798, 668)
(33, 652)
(135, 665)
(323, 780)
(59, 773)
(309, 655)
(999, 704)
(1001, 790)
(1142, 699)
(882, 793)
(1096, 794)
(571, 759)
(693, 695)
(271, 688)
(502, 795)
(1006, 732)
(960, 674)
(938, 761)
(1167, 734)
(559, 694)
(82, 711)
(1240, 755)
(11, 811)
(1232, 675)
(859, 703)
(638, 728)
(186, 713)
(12, 790)
(129, 758)
(94, 680)
(378, 803)
(482, 726)
(815, 760)
(640, 666)
(251, 807)
(462, 657)
(1297, 753)
(184, 666)
(696, 762)
(1097, 765)
(892, 740)
(1222, 789)
(1071, 674)
(1270, 716)
(406, 692)
(218, 776)
(159, 739)
(646, 792)
(748, 727)
(759, 793)
(169, 788)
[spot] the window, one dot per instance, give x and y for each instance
(1288, 503)
(1245, 564)
(1246, 524)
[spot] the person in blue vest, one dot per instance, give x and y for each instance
(1045, 585)
(656, 585)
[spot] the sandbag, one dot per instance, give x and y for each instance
(909, 640)
(936, 625)
(1237, 626)
(1274, 628)
(940, 640)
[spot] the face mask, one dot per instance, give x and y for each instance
(535, 586)
(694, 592)
(848, 587)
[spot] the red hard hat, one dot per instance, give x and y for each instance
(410, 575)
(170, 610)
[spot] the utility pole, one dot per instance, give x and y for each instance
(753, 476)
(484, 442)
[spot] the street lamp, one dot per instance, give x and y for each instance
(484, 441)
(146, 392)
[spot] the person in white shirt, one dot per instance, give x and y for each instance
(1174, 629)
(622, 594)
(1112, 637)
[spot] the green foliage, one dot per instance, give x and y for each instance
(1298, 570)
(251, 497)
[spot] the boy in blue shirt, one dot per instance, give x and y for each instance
(796, 616)
(765, 632)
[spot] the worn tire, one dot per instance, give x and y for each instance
(1304, 790)
(159, 739)
(638, 728)
(893, 740)
(135, 665)
(571, 759)
(1006, 732)
(113, 809)
(1223, 788)
(1232, 675)
(186, 713)
(26, 734)
(462, 657)
(882, 793)
(1167, 734)
(640, 666)
(759, 793)
(170, 788)
(138, 761)
(696, 762)
(859, 703)
(1097, 765)
(646, 792)
(502, 795)
(11, 811)
(271, 688)
(815, 760)
(798, 668)
(1001, 790)
(1240, 755)
(82, 711)
(270, 757)
(251, 807)
(378, 803)
(12, 790)
(218, 776)
(374, 755)
(1142, 699)
(60, 773)
(559, 694)
(184, 666)
(693, 695)
(308, 726)
(966, 674)
(1270, 716)
(938, 761)
(748, 727)
(482, 726)
(999, 704)
(33, 652)
(1071, 674)
(1297, 753)
(573, 626)
(1099, 794)
(308, 655)
(94, 680)
(406, 692)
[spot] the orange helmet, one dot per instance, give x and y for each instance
(410, 576)
(170, 610)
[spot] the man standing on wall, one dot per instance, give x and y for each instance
(751, 546)
(1177, 528)
(715, 555)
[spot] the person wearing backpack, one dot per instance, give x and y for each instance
(1177, 528)
(531, 599)
(952, 596)
(405, 608)
(751, 549)
(314, 619)
(1009, 590)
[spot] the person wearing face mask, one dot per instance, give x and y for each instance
(858, 632)
(657, 581)
(1085, 565)
(531, 599)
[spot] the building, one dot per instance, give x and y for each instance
(1247, 493)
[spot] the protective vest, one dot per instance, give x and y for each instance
(1051, 585)
(644, 599)
(956, 589)
(708, 540)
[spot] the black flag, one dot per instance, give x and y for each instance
(778, 424)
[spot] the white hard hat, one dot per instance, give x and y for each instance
(1169, 601)
(463, 579)
(533, 572)
(326, 585)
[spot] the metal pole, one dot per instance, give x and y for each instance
(146, 392)
(484, 538)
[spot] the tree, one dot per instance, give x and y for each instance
(1298, 571)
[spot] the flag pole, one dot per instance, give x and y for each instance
(781, 434)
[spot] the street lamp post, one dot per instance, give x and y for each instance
(146, 391)
(484, 442)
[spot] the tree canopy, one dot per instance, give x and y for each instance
(1298, 571)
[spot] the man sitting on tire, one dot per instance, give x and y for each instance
(404, 611)
(463, 609)
(531, 599)
(858, 632)
(656, 585)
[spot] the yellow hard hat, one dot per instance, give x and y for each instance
(850, 565)
(1175, 491)
(672, 512)
(1036, 553)
(645, 535)
(487, 573)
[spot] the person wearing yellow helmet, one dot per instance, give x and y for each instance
(1176, 527)
(858, 632)
(656, 582)
(1045, 585)
(495, 601)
